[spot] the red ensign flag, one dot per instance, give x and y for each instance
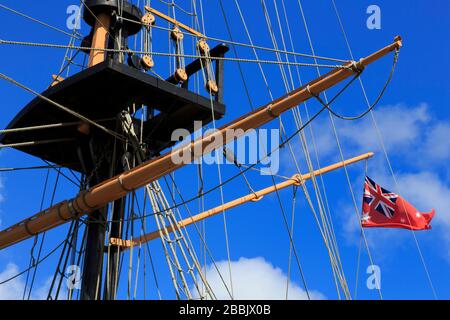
(382, 208)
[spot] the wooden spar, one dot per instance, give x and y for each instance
(117, 187)
(99, 39)
(296, 179)
(173, 21)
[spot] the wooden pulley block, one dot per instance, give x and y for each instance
(176, 34)
(180, 75)
(211, 86)
(203, 47)
(147, 62)
(148, 19)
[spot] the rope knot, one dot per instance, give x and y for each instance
(356, 67)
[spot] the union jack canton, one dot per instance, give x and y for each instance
(378, 198)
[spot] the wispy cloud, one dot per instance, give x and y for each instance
(418, 145)
(256, 279)
(13, 289)
(2, 198)
(2, 187)
(401, 127)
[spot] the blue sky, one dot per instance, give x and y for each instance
(413, 119)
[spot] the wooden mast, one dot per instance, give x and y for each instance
(296, 179)
(115, 188)
(93, 265)
(99, 39)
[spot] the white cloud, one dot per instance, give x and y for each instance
(2, 187)
(401, 126)
(410, 133)
(255, 279)
(418, 145)
(2, 198)
(426, 190)
(404, 129)
(437, 142)
(13, 289)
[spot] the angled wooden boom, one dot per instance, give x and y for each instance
(115, 188)
(296, 179)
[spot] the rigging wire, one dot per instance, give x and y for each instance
(380, 138)
(76, 36)
(43, 238)
(282, 211)
(58, 266)
(28, 168)
(159, 200)
(212, 189)
(327, 224)
(338, 142)
(33, 143)
(267, 85)
(371, 107)
(201, 236)
(74, 113)
(298, 122)
(58, 169)
(32, 258)
(326, 106)
(246, 45)
(306, 124)
(208, 73)
(294, 202)
(48, 126)
(289, 138)
(37, 263)
(167, 54)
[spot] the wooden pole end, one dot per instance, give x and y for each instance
(399, 41)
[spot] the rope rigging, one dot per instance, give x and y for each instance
(258, 161)
(56, 104)
(371, 106)
(182, 261)
(380, 138)
(167, 54)
(76, 36)
(51, 252)
(241, 44)
(167, 218)
(249, 167)
(323, 224)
